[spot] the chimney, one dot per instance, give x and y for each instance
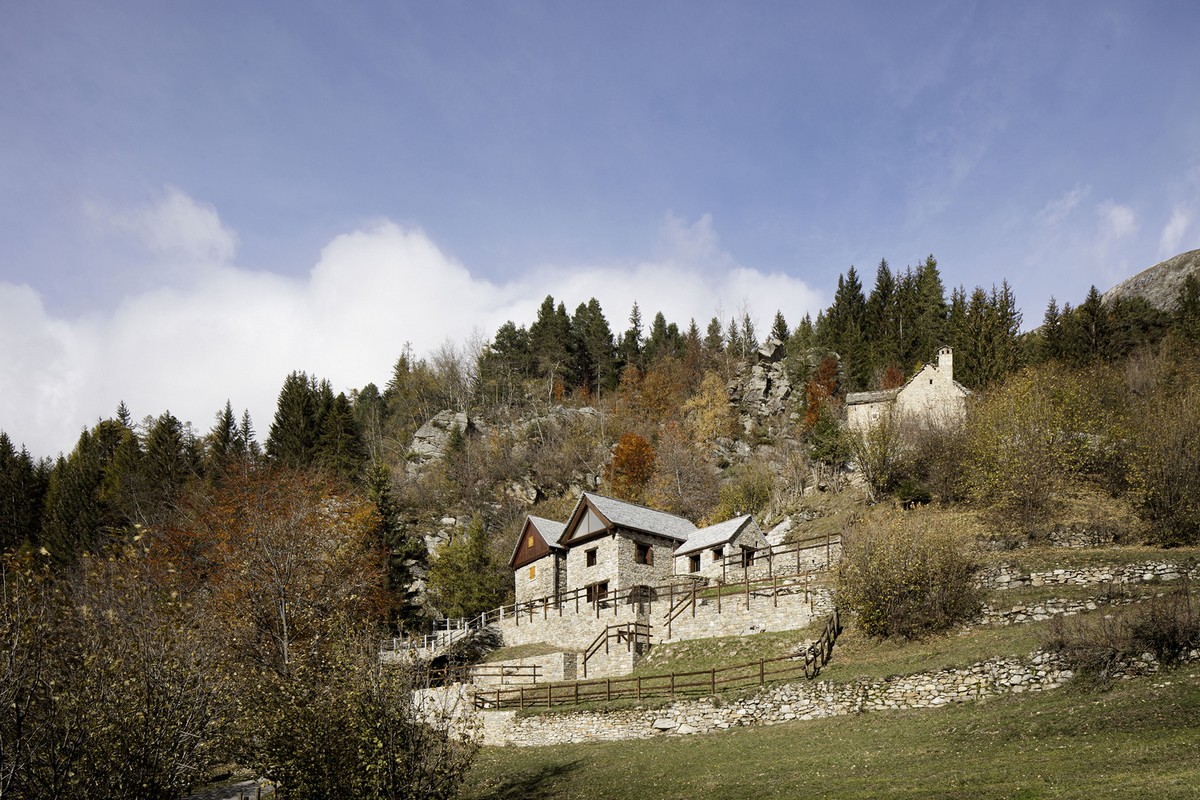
(945, 363)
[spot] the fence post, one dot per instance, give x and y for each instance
(712, 681)
(521, 697)
(747, 572)
(761, 672)
(770, 562)
(639, 688)
(720, 586)
(775, 592)
(693, 601)
(608, 688)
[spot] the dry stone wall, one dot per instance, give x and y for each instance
(798, 701)
(1006, 576)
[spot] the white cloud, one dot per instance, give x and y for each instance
(1173, 232)
(176, 228)
(1054, 212)
(237, 333)
(1116, 221)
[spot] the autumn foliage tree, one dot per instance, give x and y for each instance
(631, 468)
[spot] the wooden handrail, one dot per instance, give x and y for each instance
(809, 664)
(634, 632)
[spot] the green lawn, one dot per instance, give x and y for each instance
(1140, 739)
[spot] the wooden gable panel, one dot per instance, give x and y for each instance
(530, 547)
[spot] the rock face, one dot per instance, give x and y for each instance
(432, 439)
(1159, 284)
(762, 388)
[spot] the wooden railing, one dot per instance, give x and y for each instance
(633, 635)
(782, 561)
(472, 673)
(772, 587)
(676, 684)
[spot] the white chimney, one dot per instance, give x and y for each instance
(945, 363)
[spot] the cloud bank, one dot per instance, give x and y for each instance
(232, 332)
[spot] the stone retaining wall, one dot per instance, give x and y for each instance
(790, 609)
(798, 701)
(1039, 671)
(1045, 609)
(1006, 576)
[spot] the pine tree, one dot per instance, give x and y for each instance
(292, 439)
(22, 493)
(1187, 314)
(779, 329)
(339, 449)
(630, 349)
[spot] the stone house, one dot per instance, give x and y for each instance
(931, 397)
(707, 549)
(608, 546)
(613, 545)
(538, 561)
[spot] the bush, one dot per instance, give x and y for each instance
(1096, 646)
(906, 575)
(1166, 470)
(342, 724)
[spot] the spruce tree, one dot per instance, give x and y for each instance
(779, 329)
(292, 439)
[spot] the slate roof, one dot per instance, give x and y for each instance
(550, 530)
(714, 535)
(855, 398)
(639, 518)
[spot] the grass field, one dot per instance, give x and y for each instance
(1139, 739)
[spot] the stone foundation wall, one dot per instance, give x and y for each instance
(790, 609)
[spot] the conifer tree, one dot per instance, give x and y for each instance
(292, 439)
(339, 450)
(779, 329)
(630, 349)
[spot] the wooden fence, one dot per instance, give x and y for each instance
(704, 682)
(635, 636)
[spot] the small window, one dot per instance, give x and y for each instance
(643, 554)
(931, 381)
(591, 557)
(747, 556)
(529, 543)
(718, 553)
(532, 573)
(597, 592)
(694, 563)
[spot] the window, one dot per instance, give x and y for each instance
(597, 592)
(591, 557)
(694, 563)
(718, 553)
(532, 573)
(530, 542)
(747, 556)
(642, 554)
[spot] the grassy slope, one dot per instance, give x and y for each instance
(1139, 739)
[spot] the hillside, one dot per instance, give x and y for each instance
(1159, 285)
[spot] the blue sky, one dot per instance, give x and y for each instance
(196, 199)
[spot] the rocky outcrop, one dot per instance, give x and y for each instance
(762, 387)
(1159, 284)
(433, 438)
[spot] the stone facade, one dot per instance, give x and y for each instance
(539, 579)
(931, 397)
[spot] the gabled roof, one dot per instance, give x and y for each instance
(547, 530)
(631, 516)
(856, 398)
(550, 530)
(714, 535)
